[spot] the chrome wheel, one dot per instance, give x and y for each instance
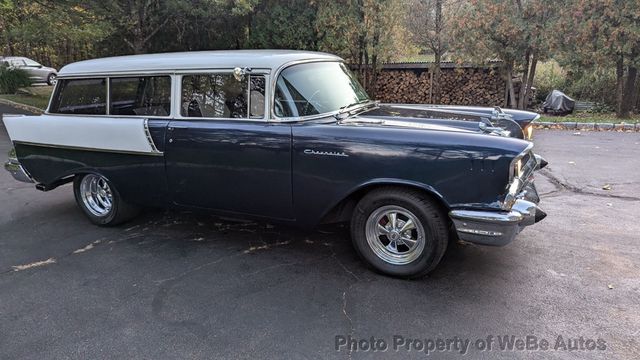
(395, 235)
(52, 79)
(96, 194)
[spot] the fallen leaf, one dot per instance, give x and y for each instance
(606, 187)
(610, 286)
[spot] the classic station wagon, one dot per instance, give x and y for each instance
(285, 136)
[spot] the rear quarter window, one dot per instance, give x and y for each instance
(80, 96)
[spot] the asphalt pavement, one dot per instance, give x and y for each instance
(175, 285)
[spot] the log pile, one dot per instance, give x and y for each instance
(460, 86)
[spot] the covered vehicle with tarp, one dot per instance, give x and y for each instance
(559, 103)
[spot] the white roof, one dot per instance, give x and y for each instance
(227, 59)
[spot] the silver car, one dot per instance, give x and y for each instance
(37, 72)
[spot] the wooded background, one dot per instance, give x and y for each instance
(595, 43)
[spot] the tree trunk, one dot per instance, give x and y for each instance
(620, 88)
(510, 90)
(532, 75)
(637, 95)
(629, 90)
(437, 86)
(525, 80)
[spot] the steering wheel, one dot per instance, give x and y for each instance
(309, 102)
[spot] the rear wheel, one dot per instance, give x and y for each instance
(399, 232)
(100, 200)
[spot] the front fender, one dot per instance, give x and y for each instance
(341, 208)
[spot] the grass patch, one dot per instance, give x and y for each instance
(587, 117)
(38, 97)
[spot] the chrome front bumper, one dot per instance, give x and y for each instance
(501, 227)
(16, 170)
(519, 208)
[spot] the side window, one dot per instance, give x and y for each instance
(80, 96)
(223, 96)
(146, 95)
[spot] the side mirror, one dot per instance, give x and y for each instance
(239, 73)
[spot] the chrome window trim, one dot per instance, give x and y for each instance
(273, 117)
(112, 116)
(108, 97)
(55, 88)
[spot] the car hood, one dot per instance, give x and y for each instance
(462, 117)
(470, 113)
(411, 123)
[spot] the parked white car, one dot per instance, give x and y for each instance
(38, 72)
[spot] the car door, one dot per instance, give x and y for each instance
(221, 151)
(20, 64)
(36, 70)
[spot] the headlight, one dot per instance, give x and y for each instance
(528, 132)
(517, 171)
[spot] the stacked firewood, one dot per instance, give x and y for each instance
(459, 86)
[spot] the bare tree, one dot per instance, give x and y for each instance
(426, 22)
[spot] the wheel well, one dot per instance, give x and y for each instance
(342, 211)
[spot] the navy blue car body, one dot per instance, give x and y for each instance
(255, 140)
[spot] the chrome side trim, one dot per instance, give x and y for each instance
(67, 147)
(147, 133)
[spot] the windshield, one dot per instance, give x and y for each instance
(316, 88)
(30, 62)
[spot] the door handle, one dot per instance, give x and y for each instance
(173, 127)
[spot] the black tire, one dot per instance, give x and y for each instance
(432, 218)
(51, 79)
(119, 212)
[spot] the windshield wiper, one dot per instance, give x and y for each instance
(343, 109)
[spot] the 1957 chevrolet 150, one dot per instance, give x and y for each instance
(286, 136)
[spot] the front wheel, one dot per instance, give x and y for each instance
(399, 232)
(100, 201)
(51, 79)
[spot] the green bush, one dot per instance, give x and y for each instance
(12, 79)
(597, 85)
